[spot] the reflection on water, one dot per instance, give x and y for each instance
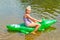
(32, 36)
(12, 11)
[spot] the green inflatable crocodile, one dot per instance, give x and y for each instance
(26, 30)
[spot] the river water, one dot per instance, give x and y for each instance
(12, 11)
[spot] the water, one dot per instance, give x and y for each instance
(12, 11)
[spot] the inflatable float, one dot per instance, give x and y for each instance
(26, 30)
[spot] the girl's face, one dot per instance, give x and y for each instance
(28, 11)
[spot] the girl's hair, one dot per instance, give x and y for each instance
(28, 7)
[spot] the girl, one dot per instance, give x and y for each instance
(29, 21)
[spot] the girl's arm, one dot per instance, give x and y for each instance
(33, 19)
(39, 20)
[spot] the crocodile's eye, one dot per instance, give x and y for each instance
(15, 25)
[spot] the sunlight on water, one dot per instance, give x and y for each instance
(44, 6)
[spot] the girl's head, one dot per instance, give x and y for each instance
(28, 9)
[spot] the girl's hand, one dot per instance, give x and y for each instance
(35, 21)
(39, 20)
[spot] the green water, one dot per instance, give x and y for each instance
(12, 11)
